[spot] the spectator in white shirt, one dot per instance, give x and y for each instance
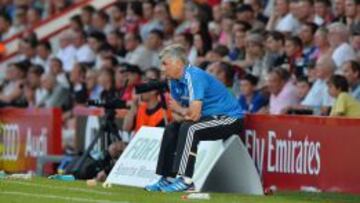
(43, 51)
(318, 95)
(67, 51)
(338, 37)
(152, 14)
(137, 54)
(83, 52)
(282, 19)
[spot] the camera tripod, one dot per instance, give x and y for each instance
(108, 131)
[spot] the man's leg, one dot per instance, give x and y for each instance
(166, 158)
(190, 134)
(167, 150)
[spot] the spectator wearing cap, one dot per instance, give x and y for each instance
(244, 12)
(133, 77)
(318, 97)
(344, 105)
(250, 99)
(67, 51)
(6, 30)
(84, 54)
(351, 70)
(352, 12)
(281, 19)
(282, 89)
(43, 55)
(338, 37)
(224, 72)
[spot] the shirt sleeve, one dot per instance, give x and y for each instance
(339, 106)
(196, 85)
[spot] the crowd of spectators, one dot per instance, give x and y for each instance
(275, 56)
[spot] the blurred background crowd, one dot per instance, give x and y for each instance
(275, 56)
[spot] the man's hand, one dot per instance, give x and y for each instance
(176, 107)
(194, 111)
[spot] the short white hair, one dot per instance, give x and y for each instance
(341, 29)
(175, 51)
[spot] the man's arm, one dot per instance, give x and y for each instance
(193, 112)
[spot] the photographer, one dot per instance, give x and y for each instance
(146, 109)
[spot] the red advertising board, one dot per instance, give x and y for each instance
(305, 153)
(27, 134)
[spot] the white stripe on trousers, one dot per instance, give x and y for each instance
(190, 138)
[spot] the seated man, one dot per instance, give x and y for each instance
(203, 109)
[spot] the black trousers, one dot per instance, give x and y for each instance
(180, 142)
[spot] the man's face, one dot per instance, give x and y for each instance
(274, 83)
(153, 41)
(272, 45)
(350, 8)
(172, 67)
(246, 88)
(304, 10)
(306, 34)
(302, 88)
(339, 7)
(349, 74)
(290, 48)
(281, 7)
(130, 42)
(240, 39)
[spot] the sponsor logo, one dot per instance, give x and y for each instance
(288, 155)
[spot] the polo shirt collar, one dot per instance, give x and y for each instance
(183, 79)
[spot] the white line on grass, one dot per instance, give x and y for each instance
(62, 188)
(58, 197)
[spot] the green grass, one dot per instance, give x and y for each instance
(44, 190)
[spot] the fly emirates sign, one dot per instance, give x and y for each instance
(286, 155)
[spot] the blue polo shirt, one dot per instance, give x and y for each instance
(196, 84)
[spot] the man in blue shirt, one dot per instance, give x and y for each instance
(203, 110)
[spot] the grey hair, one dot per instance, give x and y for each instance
(174, 51)
(341, 29)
